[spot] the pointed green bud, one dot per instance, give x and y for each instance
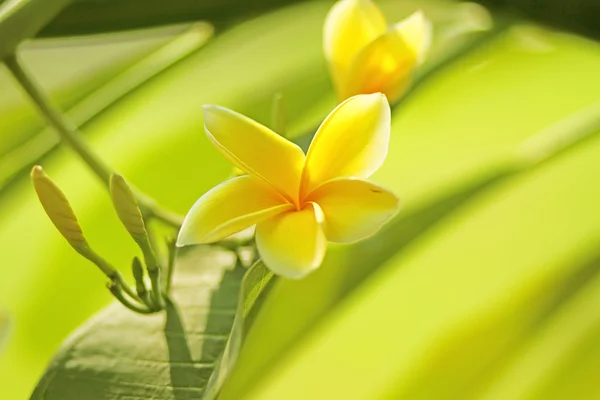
(138, 270)
(140, 285)
(127, 207)
(59, 210)
(61, 214)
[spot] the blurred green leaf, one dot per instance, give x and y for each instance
(441, 312)
(452, 130)
(23, 19)
(366, 257)
(137, 73)
(69, 69)
(169, 356)
(563, 345)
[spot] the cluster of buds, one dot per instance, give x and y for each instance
(149, 294)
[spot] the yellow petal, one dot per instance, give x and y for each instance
(255, 149)
(386, 65)
(229, 208)
(350, 26)
(352, 141)
(354, 208)
(416, 31)
(292, 244)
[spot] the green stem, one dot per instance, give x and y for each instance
(69, 134)
(172, 248)
(108, 270)
(154, 272)
(150, 210)
(117, 291)
(118, 278)
(124, 293)
(140, 285)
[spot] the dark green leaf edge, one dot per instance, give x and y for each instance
(87, 17)
(92, 17)
(256, 280)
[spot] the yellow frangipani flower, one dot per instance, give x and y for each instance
(298, 202)
(365, 56)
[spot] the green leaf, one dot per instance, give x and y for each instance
(564, 344)
(366, 257)
(439, 312)
(174, 355)
(305, 337)
(256, 281)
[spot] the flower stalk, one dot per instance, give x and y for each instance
(172, 249)
(117, 291)
(69, 134)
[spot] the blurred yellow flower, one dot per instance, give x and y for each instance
(298, 202)
(365, 56)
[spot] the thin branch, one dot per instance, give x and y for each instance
(172, 249)
(107, 269)
(69, 134)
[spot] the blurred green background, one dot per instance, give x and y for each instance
(500, 299)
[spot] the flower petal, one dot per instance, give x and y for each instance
(255, 149)
(229, 208)
(416, 31)
(354, 208)
(386, 65)
(350, 26)
(293, 244)
(352, 141)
